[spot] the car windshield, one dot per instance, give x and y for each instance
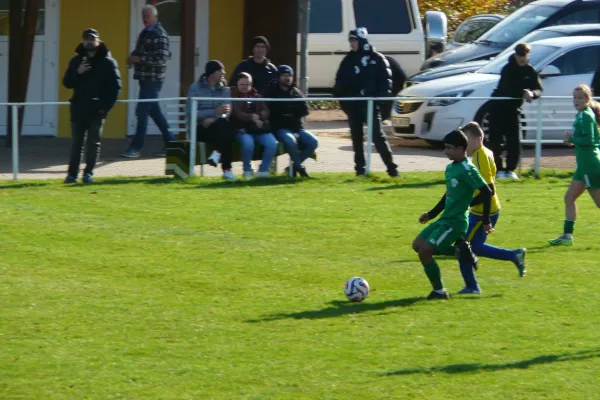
(538, 54)
(517, 24)
(532, 37)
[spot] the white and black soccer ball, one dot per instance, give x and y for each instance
(356, 289)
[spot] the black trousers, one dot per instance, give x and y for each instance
(505, 128)
(79, 127)
(356, 119)
(221, 134)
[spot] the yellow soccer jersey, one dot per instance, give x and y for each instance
(483, 158)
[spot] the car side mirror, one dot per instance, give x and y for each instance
(436, 29)
(550, 70)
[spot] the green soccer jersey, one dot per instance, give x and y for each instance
(462, 179)
(586, 140)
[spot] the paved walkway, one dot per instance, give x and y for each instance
(45, 158)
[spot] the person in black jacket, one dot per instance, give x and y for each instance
(364, 73)
(257, 65)
(519, 80)
(595, 85)
(286, 119)
(96, 82)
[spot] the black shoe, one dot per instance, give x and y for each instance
(71, 179)
(360, 173)
(302, 172)
(393, 173)
(438, 296)
(87, 179)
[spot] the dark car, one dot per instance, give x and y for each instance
(472, 66)
(473, 28)
(539, 14)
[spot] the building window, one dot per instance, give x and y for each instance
(4, 25)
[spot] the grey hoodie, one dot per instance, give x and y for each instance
(207, 108)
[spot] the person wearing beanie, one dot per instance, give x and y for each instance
(94, 77)
(257, 65)
(213, 116)
(365, 73)
(286, 119)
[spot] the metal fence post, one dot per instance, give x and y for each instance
(193, 137)
(538, 139)
(15, 142)
(370, 111)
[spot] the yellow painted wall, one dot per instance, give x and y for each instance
(226, 40)
(111, 19)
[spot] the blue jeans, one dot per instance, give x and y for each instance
(307, 140)
(149, 90)
(477, 237)
(267, 140)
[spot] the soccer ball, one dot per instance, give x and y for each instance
(356, 289)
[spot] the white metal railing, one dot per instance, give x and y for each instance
(536, 108)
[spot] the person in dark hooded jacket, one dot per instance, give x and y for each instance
(96, 82)
(519, 80)
(364, 73)
(257, 65)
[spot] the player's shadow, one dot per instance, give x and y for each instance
(21, 185)
(481, 367)
(339, 308)
(411, 185)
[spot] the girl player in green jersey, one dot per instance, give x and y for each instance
(585, 138)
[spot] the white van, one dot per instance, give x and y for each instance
(394, 27)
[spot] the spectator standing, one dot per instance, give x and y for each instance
(96, 82)
(365, 73)
(257, 65)
(149, 60)
(519, 80)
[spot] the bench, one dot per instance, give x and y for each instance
(178, 151)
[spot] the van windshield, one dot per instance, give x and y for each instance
(517, 24)
(537, 55)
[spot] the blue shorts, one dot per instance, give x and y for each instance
(475, 233)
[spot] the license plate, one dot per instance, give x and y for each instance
(401, 122)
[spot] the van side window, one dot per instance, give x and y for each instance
(383, 16)
(325, 16)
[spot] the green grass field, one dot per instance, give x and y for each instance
(152, 289)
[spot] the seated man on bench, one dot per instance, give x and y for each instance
(213, 116)
(286, 119)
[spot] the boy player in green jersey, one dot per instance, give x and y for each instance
(462, 180)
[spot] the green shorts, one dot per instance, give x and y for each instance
(440, 235)
(591, 181)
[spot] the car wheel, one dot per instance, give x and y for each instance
(483, 119)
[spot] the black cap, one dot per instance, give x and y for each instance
(90, 32)
(261, 39)
(213, 66)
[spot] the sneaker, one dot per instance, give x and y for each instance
(521, 262)
(161, 153)
(248, 174)
(87, 179)
(131, 153)
(438, 296)
(360, 173)
(263, 174)
(229, 176)
(500, 175)
(71, 179)
(393, 173)
(469, 290)
(511, 175)
(562, 240)
(302, 172)
(214, 158)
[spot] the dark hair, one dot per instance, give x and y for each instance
(522, 49)
(457, 138)
(473, 129)
(243, 75)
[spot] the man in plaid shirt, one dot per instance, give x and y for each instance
(150, 62)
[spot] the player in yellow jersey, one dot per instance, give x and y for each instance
(483, 158)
